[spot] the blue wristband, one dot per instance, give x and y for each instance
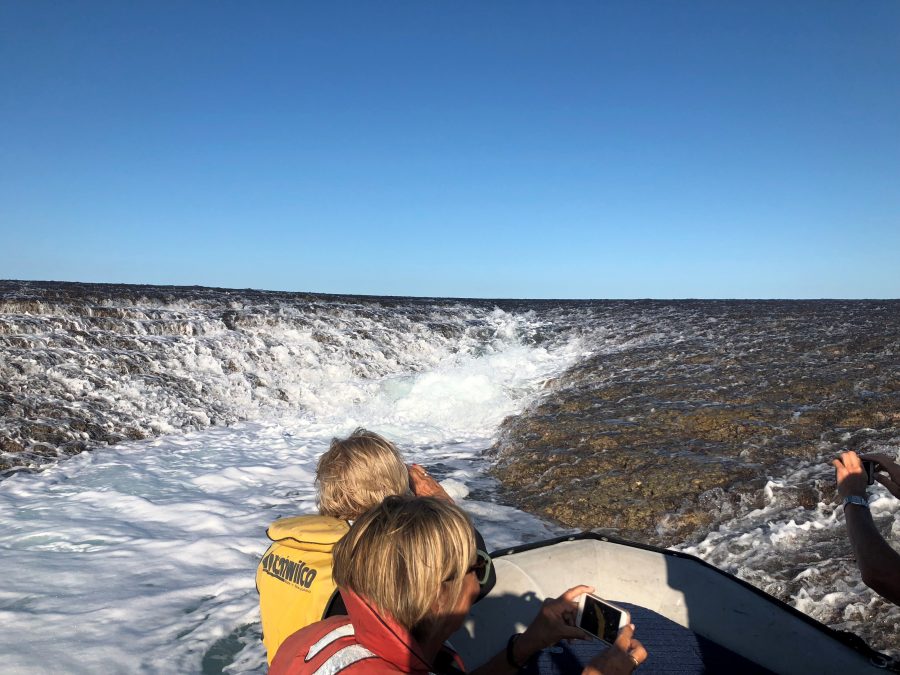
(856, 499)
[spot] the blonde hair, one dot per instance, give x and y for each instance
(405, 556)
(357, 472)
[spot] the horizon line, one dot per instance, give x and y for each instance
(185, 287)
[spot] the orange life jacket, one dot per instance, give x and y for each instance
(364, 642)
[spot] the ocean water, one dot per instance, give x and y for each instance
(203, 412)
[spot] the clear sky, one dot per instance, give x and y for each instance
(601, 149)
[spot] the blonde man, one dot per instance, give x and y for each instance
(294, 577)
(409, 571)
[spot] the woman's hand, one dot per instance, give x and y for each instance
(622, 658)
(555, 622)
(886, 464)
(423, 485)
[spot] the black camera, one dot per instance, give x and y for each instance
(869, 467)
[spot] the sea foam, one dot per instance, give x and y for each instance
(141, 556)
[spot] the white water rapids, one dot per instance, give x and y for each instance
(141, 557)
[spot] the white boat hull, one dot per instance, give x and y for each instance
(680, 587)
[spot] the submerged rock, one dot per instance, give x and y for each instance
(629, 442)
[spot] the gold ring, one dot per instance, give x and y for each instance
(634, 660)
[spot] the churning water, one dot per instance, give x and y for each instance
(207, 409)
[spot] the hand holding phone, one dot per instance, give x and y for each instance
(600, 618)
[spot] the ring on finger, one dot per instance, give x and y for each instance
(634, 660)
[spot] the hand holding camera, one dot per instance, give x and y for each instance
(854, 473)
(883, 469)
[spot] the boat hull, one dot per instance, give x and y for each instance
(682, 588)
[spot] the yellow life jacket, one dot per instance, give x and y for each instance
(294, 576)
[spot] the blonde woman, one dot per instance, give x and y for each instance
(294, 577)
(409, 572)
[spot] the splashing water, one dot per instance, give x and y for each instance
(140, 557)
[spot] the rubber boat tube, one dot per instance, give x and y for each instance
(678, 586)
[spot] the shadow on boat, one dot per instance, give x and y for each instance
(691, 616)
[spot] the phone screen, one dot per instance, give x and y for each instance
(600, 619)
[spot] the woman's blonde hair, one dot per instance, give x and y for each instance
(357, 472)
(405, 556)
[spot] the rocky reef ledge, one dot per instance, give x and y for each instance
(660, 442)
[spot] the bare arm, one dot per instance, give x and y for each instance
(878, 563)
(555, 622)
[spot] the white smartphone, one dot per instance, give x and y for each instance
(600, 618)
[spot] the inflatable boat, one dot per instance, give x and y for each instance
(680, 601)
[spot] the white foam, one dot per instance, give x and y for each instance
(803, 555)
(141, 557)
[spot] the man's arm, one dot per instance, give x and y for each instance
(878, 563)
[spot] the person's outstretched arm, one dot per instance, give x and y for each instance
(878, 563)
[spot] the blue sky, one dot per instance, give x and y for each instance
(477, 149)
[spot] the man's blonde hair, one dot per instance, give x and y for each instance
(407, 555)
(357, 472)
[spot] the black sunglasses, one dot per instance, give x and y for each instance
(481, 567)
